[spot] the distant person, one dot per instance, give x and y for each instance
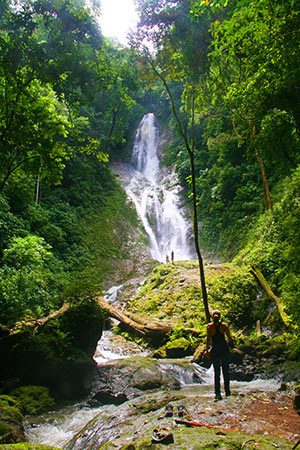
(218, 350)
(167, 259)
(172, 257)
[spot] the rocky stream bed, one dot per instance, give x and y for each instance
(128, 401)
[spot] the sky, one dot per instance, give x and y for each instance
(117, 18)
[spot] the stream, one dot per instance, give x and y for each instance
(87, 425)
(75, 426)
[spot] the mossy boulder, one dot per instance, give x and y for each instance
(178, 348)
(160, 352)
(11, 428)
(33, 400)
(59, 355)
(27, 446)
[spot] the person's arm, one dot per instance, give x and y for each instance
(227, 332)
(208, 337)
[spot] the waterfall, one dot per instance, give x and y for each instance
(155, 193)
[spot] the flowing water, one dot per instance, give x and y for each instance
(156, 195)
(67, 428)
(155, 192)
(112, 347)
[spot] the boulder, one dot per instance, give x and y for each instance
(123, 379)
(297, 399)
(58, 354)
(11, 428)
(33, 400)
(179, 348)
(197, 356)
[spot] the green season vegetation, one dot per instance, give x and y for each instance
(230, 71)
(223, 78)
(67, 98)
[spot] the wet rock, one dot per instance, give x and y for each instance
(109, 398)
(196, 378)
(11, 428)
(133, 423)
(240, 375)
(237, 356)
(131, 377)
(297, 399)
(197, 356)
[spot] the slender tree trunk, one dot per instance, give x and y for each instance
(191, 152)
(265, 285)
(38, 186)
(197, 244)
(37, 190)
(267, 194)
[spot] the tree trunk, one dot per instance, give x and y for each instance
(190, 149)
(284, 317)
(267, 194)
(36, 323)
(138, 325)
(140, 328)
(197, 245)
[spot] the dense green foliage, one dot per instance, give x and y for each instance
(10, 419)
(64, 245)
(231, 71)
(70, 99)
(67, 100)
(273, 244)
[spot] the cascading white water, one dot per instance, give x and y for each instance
(156, 196)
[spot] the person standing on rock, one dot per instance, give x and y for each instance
(218, 350)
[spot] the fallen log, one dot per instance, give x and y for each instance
(259, 276)
(139, 327)
(34, 323)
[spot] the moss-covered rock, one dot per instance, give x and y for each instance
(11, 428)
(27, 446)
(197, 438)
(220, 425)
(60, 354)
(34, 400)
(178, 348)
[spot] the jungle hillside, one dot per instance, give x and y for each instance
(223, 80)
